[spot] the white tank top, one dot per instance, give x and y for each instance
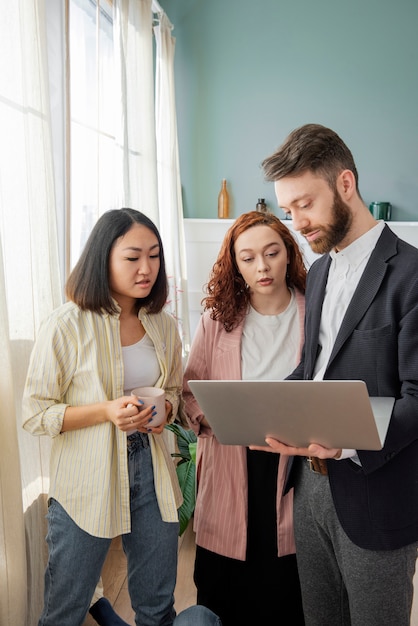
(140, 366)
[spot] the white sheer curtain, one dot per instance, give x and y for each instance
(93, 162)
(134, 81)
(123, 134)
(169, 184)
(30, 283)
(30, 288)
(12, 534)
(149, 176)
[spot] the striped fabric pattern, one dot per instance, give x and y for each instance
(77, 360)
(220, 520)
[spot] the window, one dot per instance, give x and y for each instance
(92, 118)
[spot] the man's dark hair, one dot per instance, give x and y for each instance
(313, 148)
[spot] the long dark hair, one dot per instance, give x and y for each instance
(88, 283)
(228, 297)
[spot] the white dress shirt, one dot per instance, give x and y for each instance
(346, 269)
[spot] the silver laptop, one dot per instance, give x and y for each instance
(333, 413)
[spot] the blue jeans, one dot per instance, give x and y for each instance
(76, 558)
(197, 616)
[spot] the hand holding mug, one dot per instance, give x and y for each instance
(152, 396)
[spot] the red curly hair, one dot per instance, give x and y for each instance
(228, 297)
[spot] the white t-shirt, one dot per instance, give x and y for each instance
(270, 343)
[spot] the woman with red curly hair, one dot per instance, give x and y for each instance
(252, 328)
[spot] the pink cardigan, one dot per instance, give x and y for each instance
(220, 519)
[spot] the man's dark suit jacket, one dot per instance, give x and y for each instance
(377, 503)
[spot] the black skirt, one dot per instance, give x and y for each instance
(263, 589)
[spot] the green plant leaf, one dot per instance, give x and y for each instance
(186, 473)
(184, 438)
(193, 450)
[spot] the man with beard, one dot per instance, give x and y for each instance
(356, 511)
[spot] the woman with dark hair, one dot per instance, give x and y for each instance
(252, 328)
(111, 473)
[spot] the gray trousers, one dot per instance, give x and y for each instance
(342, 584)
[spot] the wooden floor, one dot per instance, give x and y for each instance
(116, 587)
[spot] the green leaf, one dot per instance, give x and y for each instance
(186, 473)
(192, 450)
(184, 438)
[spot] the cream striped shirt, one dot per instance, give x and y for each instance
(77, 360)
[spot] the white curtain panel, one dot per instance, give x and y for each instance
(169, 183)
(12, 533)
(134, 106)
(31, 289)
(30, 284)
(95, 161)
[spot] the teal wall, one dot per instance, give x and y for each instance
(249, 71)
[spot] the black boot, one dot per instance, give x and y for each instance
(102, 611)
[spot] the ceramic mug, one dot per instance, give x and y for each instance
(381, 210)
(151, 396)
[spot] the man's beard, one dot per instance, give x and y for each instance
(336, 231)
